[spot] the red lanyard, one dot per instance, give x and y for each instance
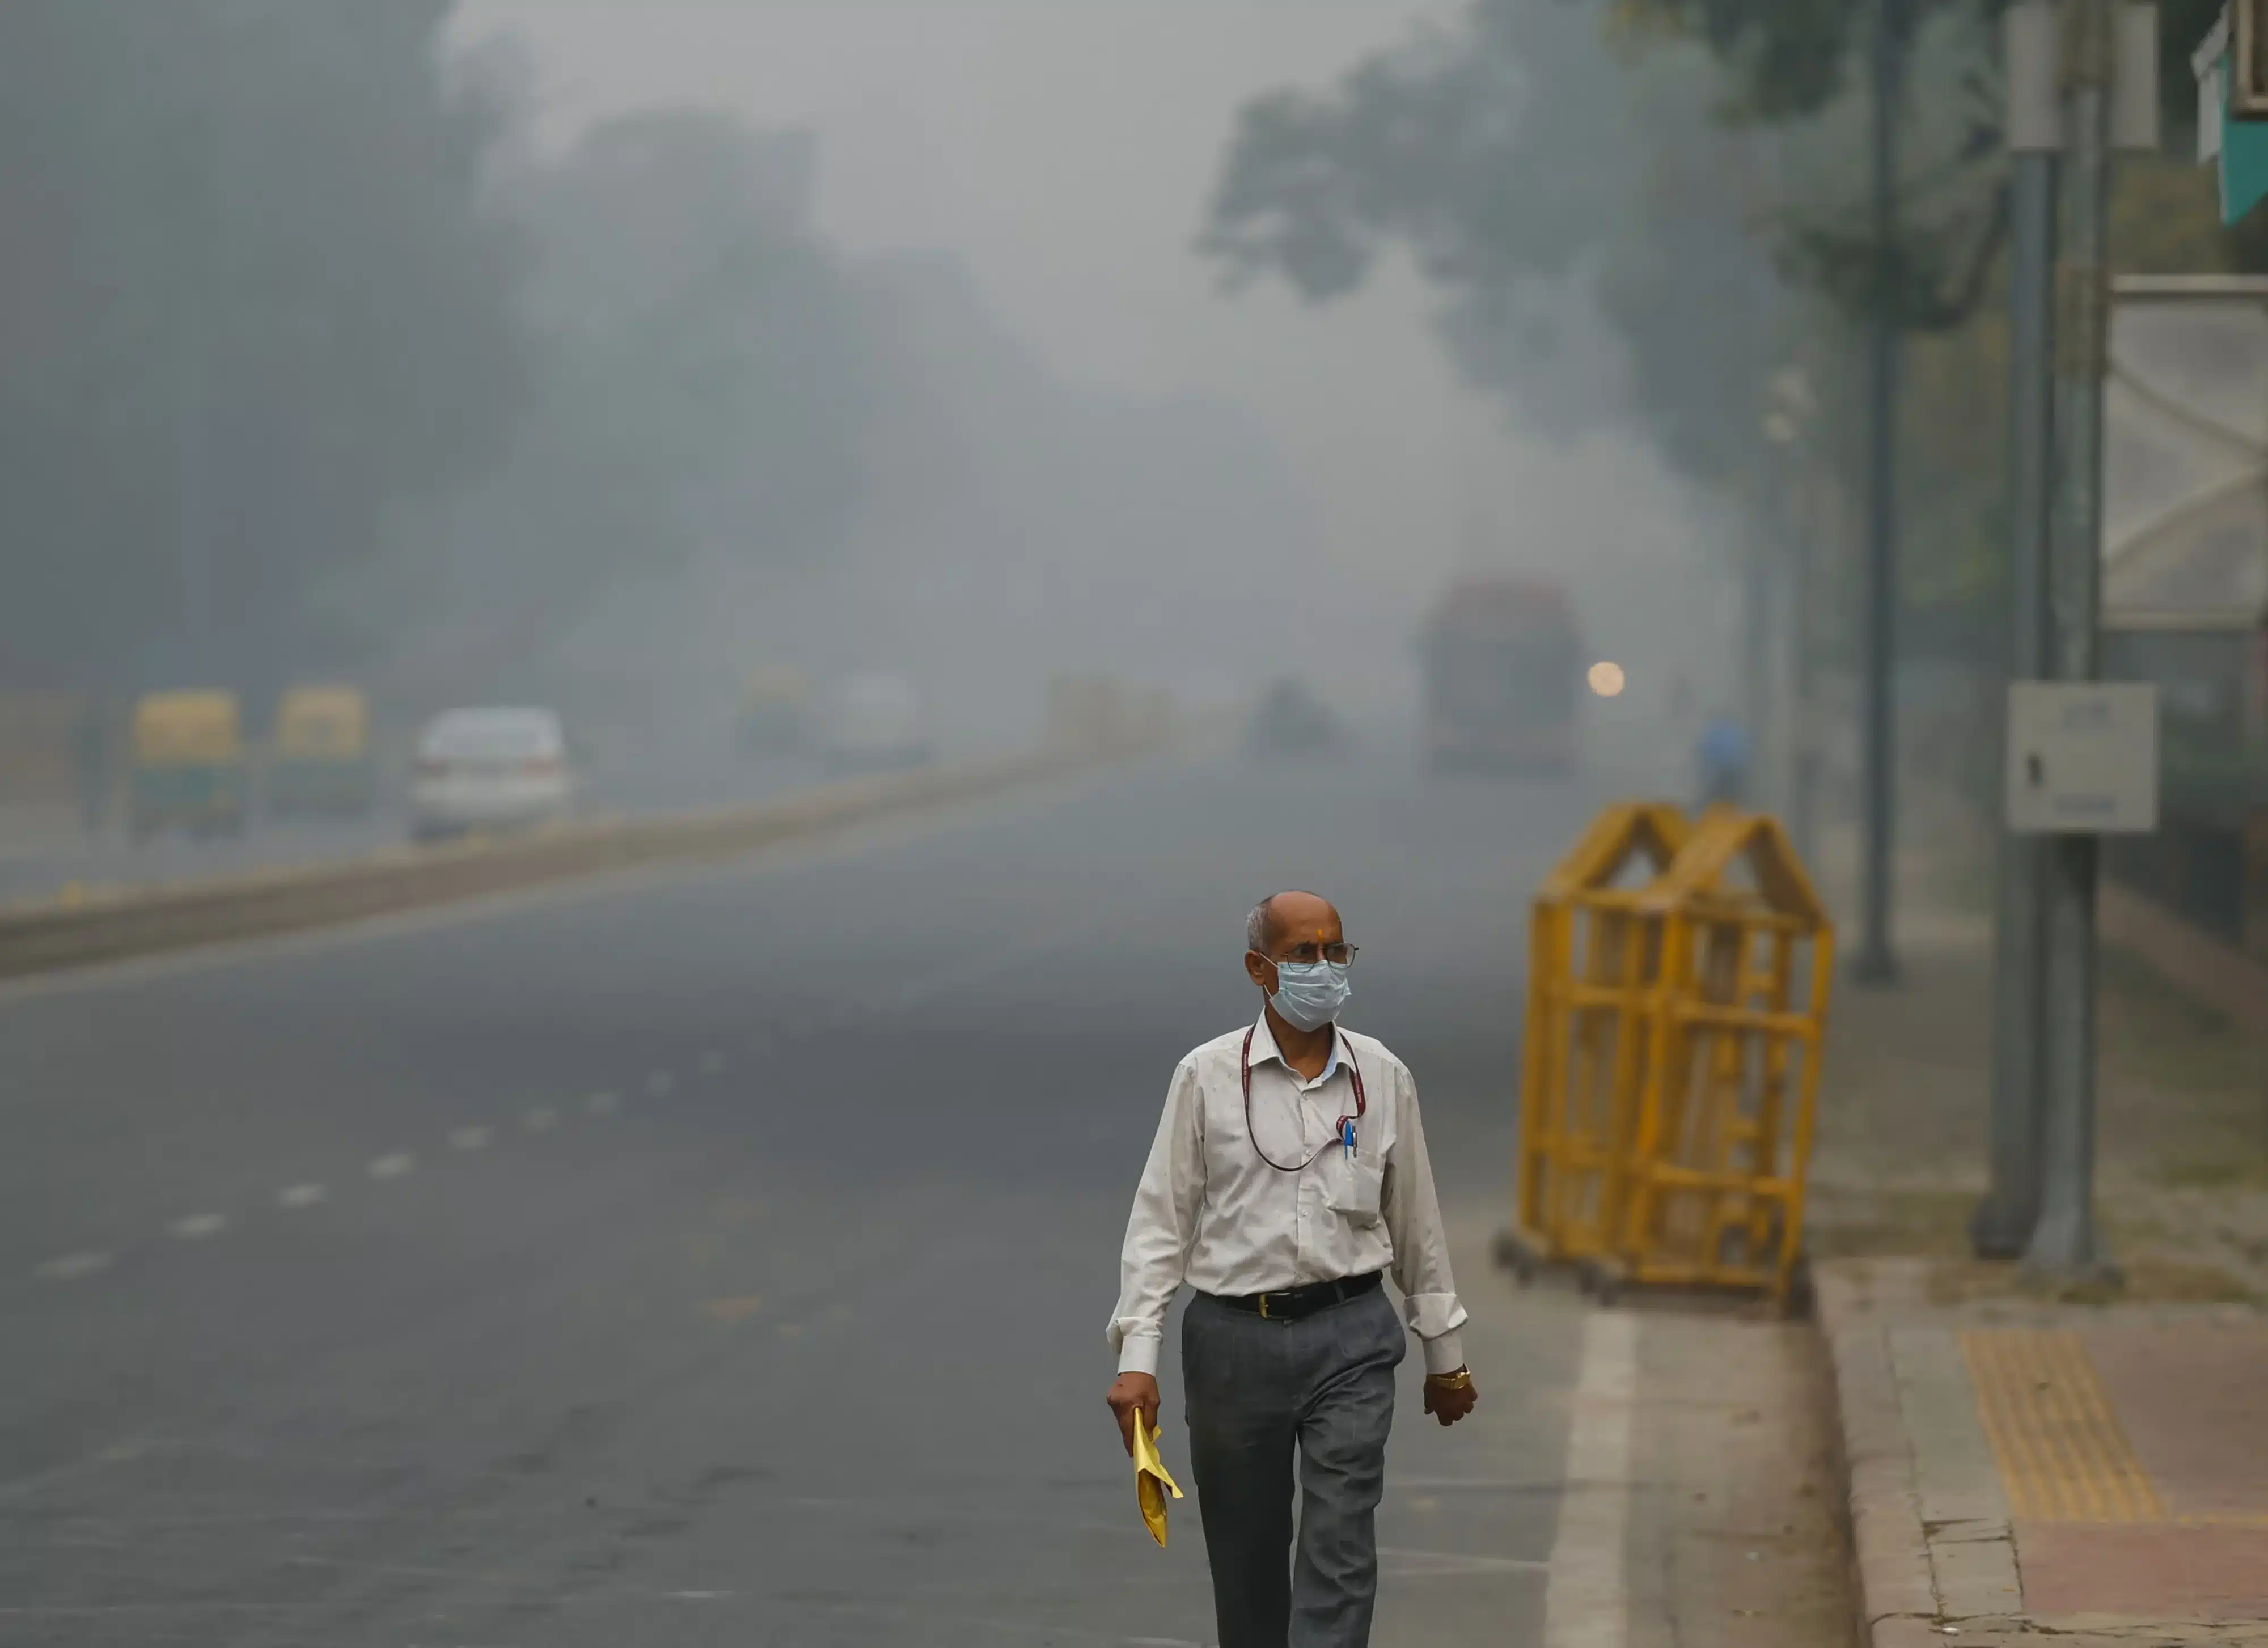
(1339, 1134)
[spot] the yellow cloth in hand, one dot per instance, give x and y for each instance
(1152, 1483)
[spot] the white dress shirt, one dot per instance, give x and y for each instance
(1210, 1212)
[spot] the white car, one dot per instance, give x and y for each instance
(490, 770)
(876, 721)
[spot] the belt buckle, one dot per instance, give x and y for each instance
(1264, 1307)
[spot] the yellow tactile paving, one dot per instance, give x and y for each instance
(2062, 1454)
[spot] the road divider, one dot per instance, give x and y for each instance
(109, 927)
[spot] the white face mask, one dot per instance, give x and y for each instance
(1310, 994)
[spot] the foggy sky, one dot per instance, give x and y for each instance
(1063, 153)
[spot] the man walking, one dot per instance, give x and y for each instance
(1288, 1176)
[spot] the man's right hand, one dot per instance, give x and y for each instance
(1134, 1393)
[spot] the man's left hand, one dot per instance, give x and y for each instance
(1448, 1397)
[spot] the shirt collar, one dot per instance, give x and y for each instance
(1264, 1048)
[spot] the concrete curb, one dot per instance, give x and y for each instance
(50, 938)
(1895, 1597)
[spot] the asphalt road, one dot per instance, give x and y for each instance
(723, 1257)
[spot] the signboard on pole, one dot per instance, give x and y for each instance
(2083, 757)
(2231, 103)
(2185, 464)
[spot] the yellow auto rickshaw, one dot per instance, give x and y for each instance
(188, 764)
(321, 762)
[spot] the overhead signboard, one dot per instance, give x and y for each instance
(2083, 757)
(2185, 459)
(2231, 68)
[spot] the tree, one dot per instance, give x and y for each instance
(1695, 173)
(1534, 175)
(700, 387)
(251, 306)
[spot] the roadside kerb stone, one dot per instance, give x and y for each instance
(1892, 1583)
(1964, 1509)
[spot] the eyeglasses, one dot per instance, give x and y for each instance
(1336, 954)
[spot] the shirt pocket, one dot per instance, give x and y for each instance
(1355, 1187)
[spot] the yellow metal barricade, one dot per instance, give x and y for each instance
(1593, 955)
(1714, 1191)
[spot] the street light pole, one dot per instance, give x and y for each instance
(196, 304)
(1803, 751)
(1876, 963)
(2064, 1244)
(1757, 643)
(2002, 1224)
(1778, 693)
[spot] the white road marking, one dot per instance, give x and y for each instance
(538, 1118)
(659, 1083)
(70, 1267)
(1586, 1601)
(197, 1226)
(469, 1138)
(302, 1195)
(392, 1166)
(603, 1104)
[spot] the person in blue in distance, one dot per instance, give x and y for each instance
(1722, 756)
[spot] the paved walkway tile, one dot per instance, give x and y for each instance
(2192, 1398)
(2161, 1572)
(2063, 1455)
(2135, 1460)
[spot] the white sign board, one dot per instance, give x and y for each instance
(2083, 757)
(2185, 458)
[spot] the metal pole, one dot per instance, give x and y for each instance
(1803, 757)
(195, 303)
(2064, 1245)
(1876, 965)
(1756, 669)
(190, 507)
(2002, 1224)
(1780, 671)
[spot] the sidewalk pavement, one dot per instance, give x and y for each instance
(2023, 1468)
(2020, 1474)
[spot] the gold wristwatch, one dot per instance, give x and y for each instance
(1460, 1378)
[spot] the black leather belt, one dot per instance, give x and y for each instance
(1293, 1303)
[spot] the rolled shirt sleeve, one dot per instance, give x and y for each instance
(1161, 1227)
(1412, 1210)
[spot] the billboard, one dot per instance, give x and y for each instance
(2185, 454)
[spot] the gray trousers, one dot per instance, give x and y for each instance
(1257, 1390)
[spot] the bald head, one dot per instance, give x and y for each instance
(1303, 918)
